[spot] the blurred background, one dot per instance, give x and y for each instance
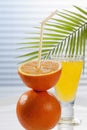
(17, 19)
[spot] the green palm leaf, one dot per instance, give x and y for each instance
(64, 34)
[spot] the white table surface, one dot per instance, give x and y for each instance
(8, 118)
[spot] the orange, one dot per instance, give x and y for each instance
(38, 110)
(42, 78)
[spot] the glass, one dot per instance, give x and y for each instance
(67, 86)
(65, 127)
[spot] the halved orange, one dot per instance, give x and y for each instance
(40, 79)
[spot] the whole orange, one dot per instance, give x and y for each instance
(42, 78)
(38, 110)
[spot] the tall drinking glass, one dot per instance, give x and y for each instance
(67, 85)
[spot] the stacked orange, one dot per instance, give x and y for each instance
(37, 109)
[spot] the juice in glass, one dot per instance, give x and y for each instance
(69, 79)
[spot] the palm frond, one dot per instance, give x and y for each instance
(64, 34)
(81, 10)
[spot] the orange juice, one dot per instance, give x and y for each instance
(69, 79)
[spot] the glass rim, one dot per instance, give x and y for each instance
(68, 58)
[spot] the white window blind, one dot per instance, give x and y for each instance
(17, 17)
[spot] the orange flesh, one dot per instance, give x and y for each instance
(46, 67)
